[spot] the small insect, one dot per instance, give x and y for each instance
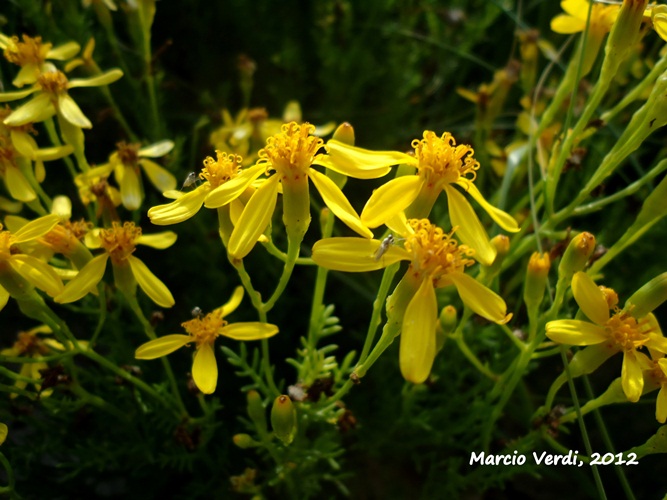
(384, 246)
(191, 179)
(197, 312)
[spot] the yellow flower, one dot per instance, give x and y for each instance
(291, 155)
(52, 97)
(608, 334)
(31, 54)
(574, 21)
(119, 243)
(659, 20)
(224, 182)
(126, 162)
(202, 331)
(440, 164)
(436, 261)
(30, 268)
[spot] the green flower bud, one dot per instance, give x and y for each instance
(448, 319)
(576, 255)
(283, 419)
(244, 441)
(536, 279)
(502, 245)
(648, 297)
(256, 411)
(624, 35)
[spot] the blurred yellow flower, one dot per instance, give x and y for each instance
(31, 54)
(608, 334)
(574, 21)
(202, 331)
(119, 243)
(436, 261)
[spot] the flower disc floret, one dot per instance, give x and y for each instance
(120, 241)
(29, 51)
(627, 332)
(291, 152)
(53, 82)
(205, 330)
(128, 154)
(441, 161)
(224, 168)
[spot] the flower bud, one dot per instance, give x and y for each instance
(536, 279)
(576, 255)
(648, 297)
(256, 411)
(502, 245)
(448, 319)
(244, 441)
(624, 35)
(283, 419)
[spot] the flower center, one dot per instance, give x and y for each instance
(435, 253)
(63, 237)
(5, 244)
(205, 330)
(29, 51)
(119, 240)
(30, 344)
(53, 82)
(219, 171)
(291, 152)
(128, 154)
(442, 161)
(626, 332)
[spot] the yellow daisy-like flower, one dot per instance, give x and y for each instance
(203, 331)
(441, 164)
(608, 334)
(126, 163)
(436, 261)
(52, 97)
(119, 243)
(12, 260)
(31, 54)
(291, 154)
(574, 21)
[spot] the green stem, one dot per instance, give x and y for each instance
(55, 140)
(11, 481)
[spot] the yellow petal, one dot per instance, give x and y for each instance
(16, 95)
(361, 163)
(233, 188)
(470, 229)
(35, 110)
(36, 228)
(390, 199)
(159, 176)
(590, 298)
(64, 51)
(417, 349)
(249, 331)
(180, 209)
(17, 185)
(503, 219)
(71, 112)
(26, 75)
(233, 302)
(37, 272)
(52, 153)
(660, 25)
(130, 189)
(87, 279)
(162, 346)
(661, 405)
(355, 255)
(205, 369)
(157, 240)
(23, 143)
(4, 298)
(337, 202)
(575, 332)
(157, 149)
(566, 25)
(97, 81)
(481, 299)
(632, 377)
(399, 225)
(150, 284)
(576, 8)
(254, 219)
(4, 430)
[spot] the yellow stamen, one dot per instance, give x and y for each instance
(435, 254)
(626, 332)
(291, 152)
(442, 161)
(205, 330)
(219, 171)
(29, 51)
(119, 240)
(53, 82)
(63, 237)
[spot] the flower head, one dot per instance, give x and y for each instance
(119, 243)
(609, 333)
(436, 260)
(202, 332)
(441, 164)
(575, 19)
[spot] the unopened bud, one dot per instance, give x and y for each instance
(324, 217)
(536, 279)
(283, 419)
(624, 35)
(502, 245)
(345, 134)
(448, 319)
(256, 411)
(576, 255)
(245, 441)
(648, 297)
